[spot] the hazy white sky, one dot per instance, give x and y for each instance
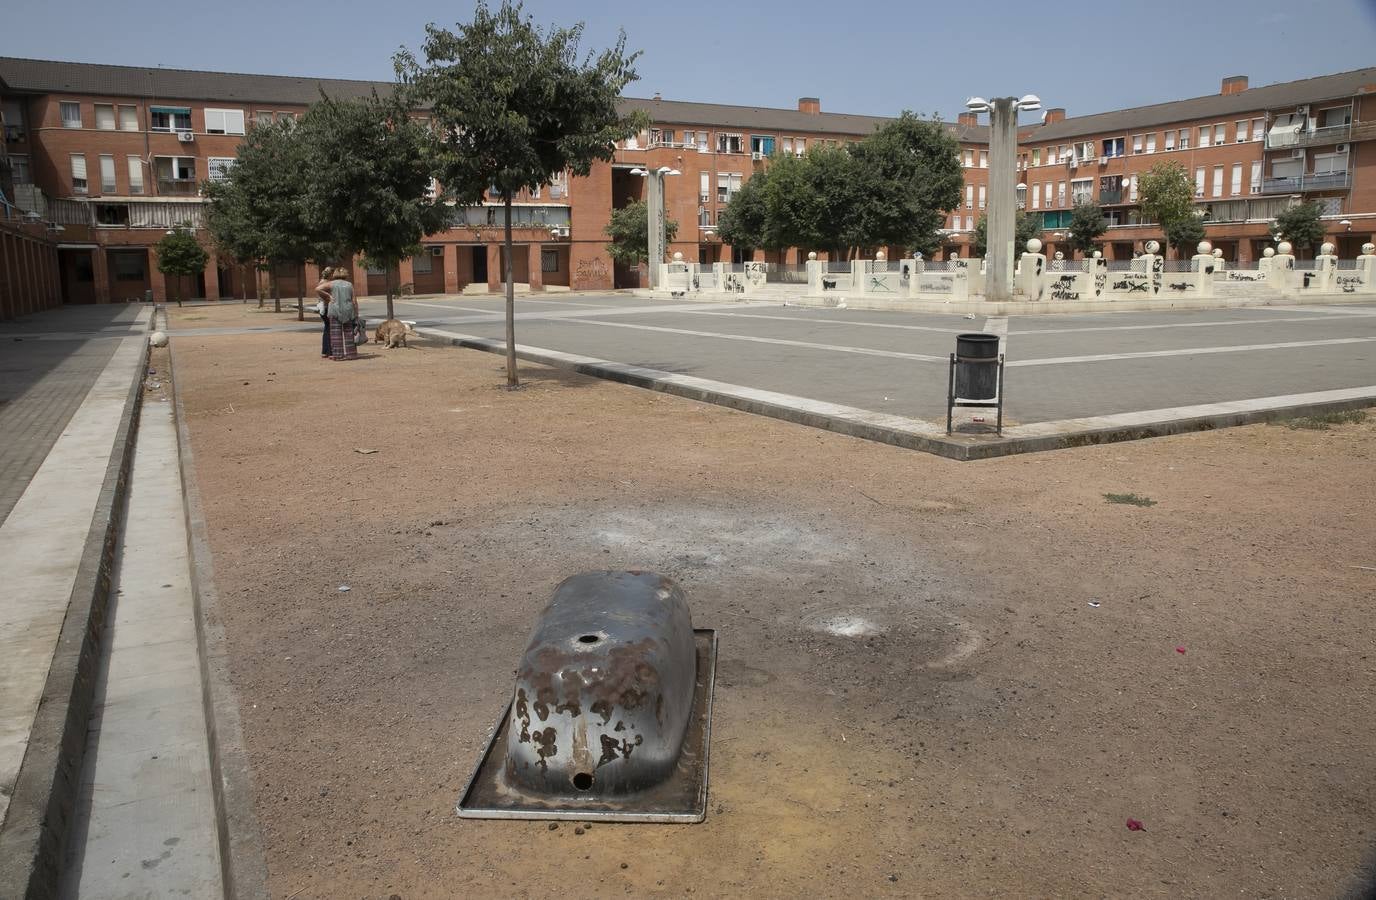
(868, 57)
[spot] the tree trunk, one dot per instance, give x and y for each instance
(301, 294)
(511, 379)
(276, 294)
(389, 292)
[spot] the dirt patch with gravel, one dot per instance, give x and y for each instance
(936, 678)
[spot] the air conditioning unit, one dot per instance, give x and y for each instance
(186, 137)
(757, 156)
(1342, 148)
(1303, 110)
(563, 230)
(1297, 154)
(437, 251)
(1074, 163)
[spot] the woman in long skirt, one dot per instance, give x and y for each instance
(343, 312)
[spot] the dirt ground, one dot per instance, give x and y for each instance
(936, 678)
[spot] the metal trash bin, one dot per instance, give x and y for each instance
(976, 375)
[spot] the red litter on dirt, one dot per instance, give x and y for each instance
(1134, 825)
(1179, 649)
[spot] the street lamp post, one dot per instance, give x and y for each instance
(1003, 143)
(654, 215)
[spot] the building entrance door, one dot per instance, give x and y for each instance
(480, 265)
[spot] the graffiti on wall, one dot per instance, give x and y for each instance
(590, 273)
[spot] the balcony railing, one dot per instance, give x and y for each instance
(1300, 183)
(1329, 134)
(178, 187)
(1110, 196)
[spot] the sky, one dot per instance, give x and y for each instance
(876, 58)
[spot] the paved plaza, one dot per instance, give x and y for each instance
(1065, 373)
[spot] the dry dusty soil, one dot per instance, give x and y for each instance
(936, 678)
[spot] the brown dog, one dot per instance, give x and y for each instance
(393, 333)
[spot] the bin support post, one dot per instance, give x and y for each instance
(998, 427)
(950, 392)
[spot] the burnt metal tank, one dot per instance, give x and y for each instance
(610, 711)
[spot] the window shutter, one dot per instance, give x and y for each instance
(105, 116)
(135, 175)
(78, 166)
(107, 172)
(128, 118)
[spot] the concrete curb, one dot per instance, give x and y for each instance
(919, 436)
(244, 870)
(38, 825)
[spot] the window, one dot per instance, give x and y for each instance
(1081, 191)
(78, 173)
(1256, 177)
(728, 183)
(690, 139)
(1170, 140)
(286, 117)
(703, 139)
(217, 167)
(128, 118)
(1132, 189)
(787, 145)
(984, 159)
(704, 217)
(549, 260)
(1258, 129)
(969, 196)
(1287, 168)
(968, 159)
(1036, 156)
(135, 175)
(19, 169)
(1205, 132)
(728, 143)
(1049, 186)
(224, 121)
(763, 144)
(1064, 153)
(105, 117)
(704, 186)
(107, 173)
(1237, 178)
(1036, 196)
(1184, 139)
(1151, 142)
(982, 195)
(1240, 130)
(1199, 174)
(1338, 115)
(1137, 143)
(1218, 181)
(801, 146)
(262, 117)
(1085, 150)
(969, 223)
(1330, 163)
(1113, 147)
(71, 115)
(113, 214)
(129, 265)
(421, 263)
(1060, 193)
(169, 118)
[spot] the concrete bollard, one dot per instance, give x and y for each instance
(1030, 279)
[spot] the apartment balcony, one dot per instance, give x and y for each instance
(178, 187)
(1107, 198)
(1329, 181)
(1286, 139)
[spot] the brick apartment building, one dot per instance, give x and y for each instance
(104, 159)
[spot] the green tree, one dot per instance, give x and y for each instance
(792, 192)
(910, 173)
(259, 211)
(180, 254)
(1301, 225)
(1185, 233)
(1025, 227)
(742, 223)
(371, 172)
(1087, 225)
(630, 234)
(1168, 200)
(516, 104)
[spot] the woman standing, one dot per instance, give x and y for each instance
(322, 290)
(342, 311)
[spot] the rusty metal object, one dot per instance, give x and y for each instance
(610, 716)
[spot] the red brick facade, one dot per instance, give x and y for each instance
(104, 231)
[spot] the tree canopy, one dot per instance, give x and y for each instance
(890, 189)
(515, 103)
(371, 169)
(180, 254)
(1168, 199)
(630, 235)
(1301, 225)
(1087, 225)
